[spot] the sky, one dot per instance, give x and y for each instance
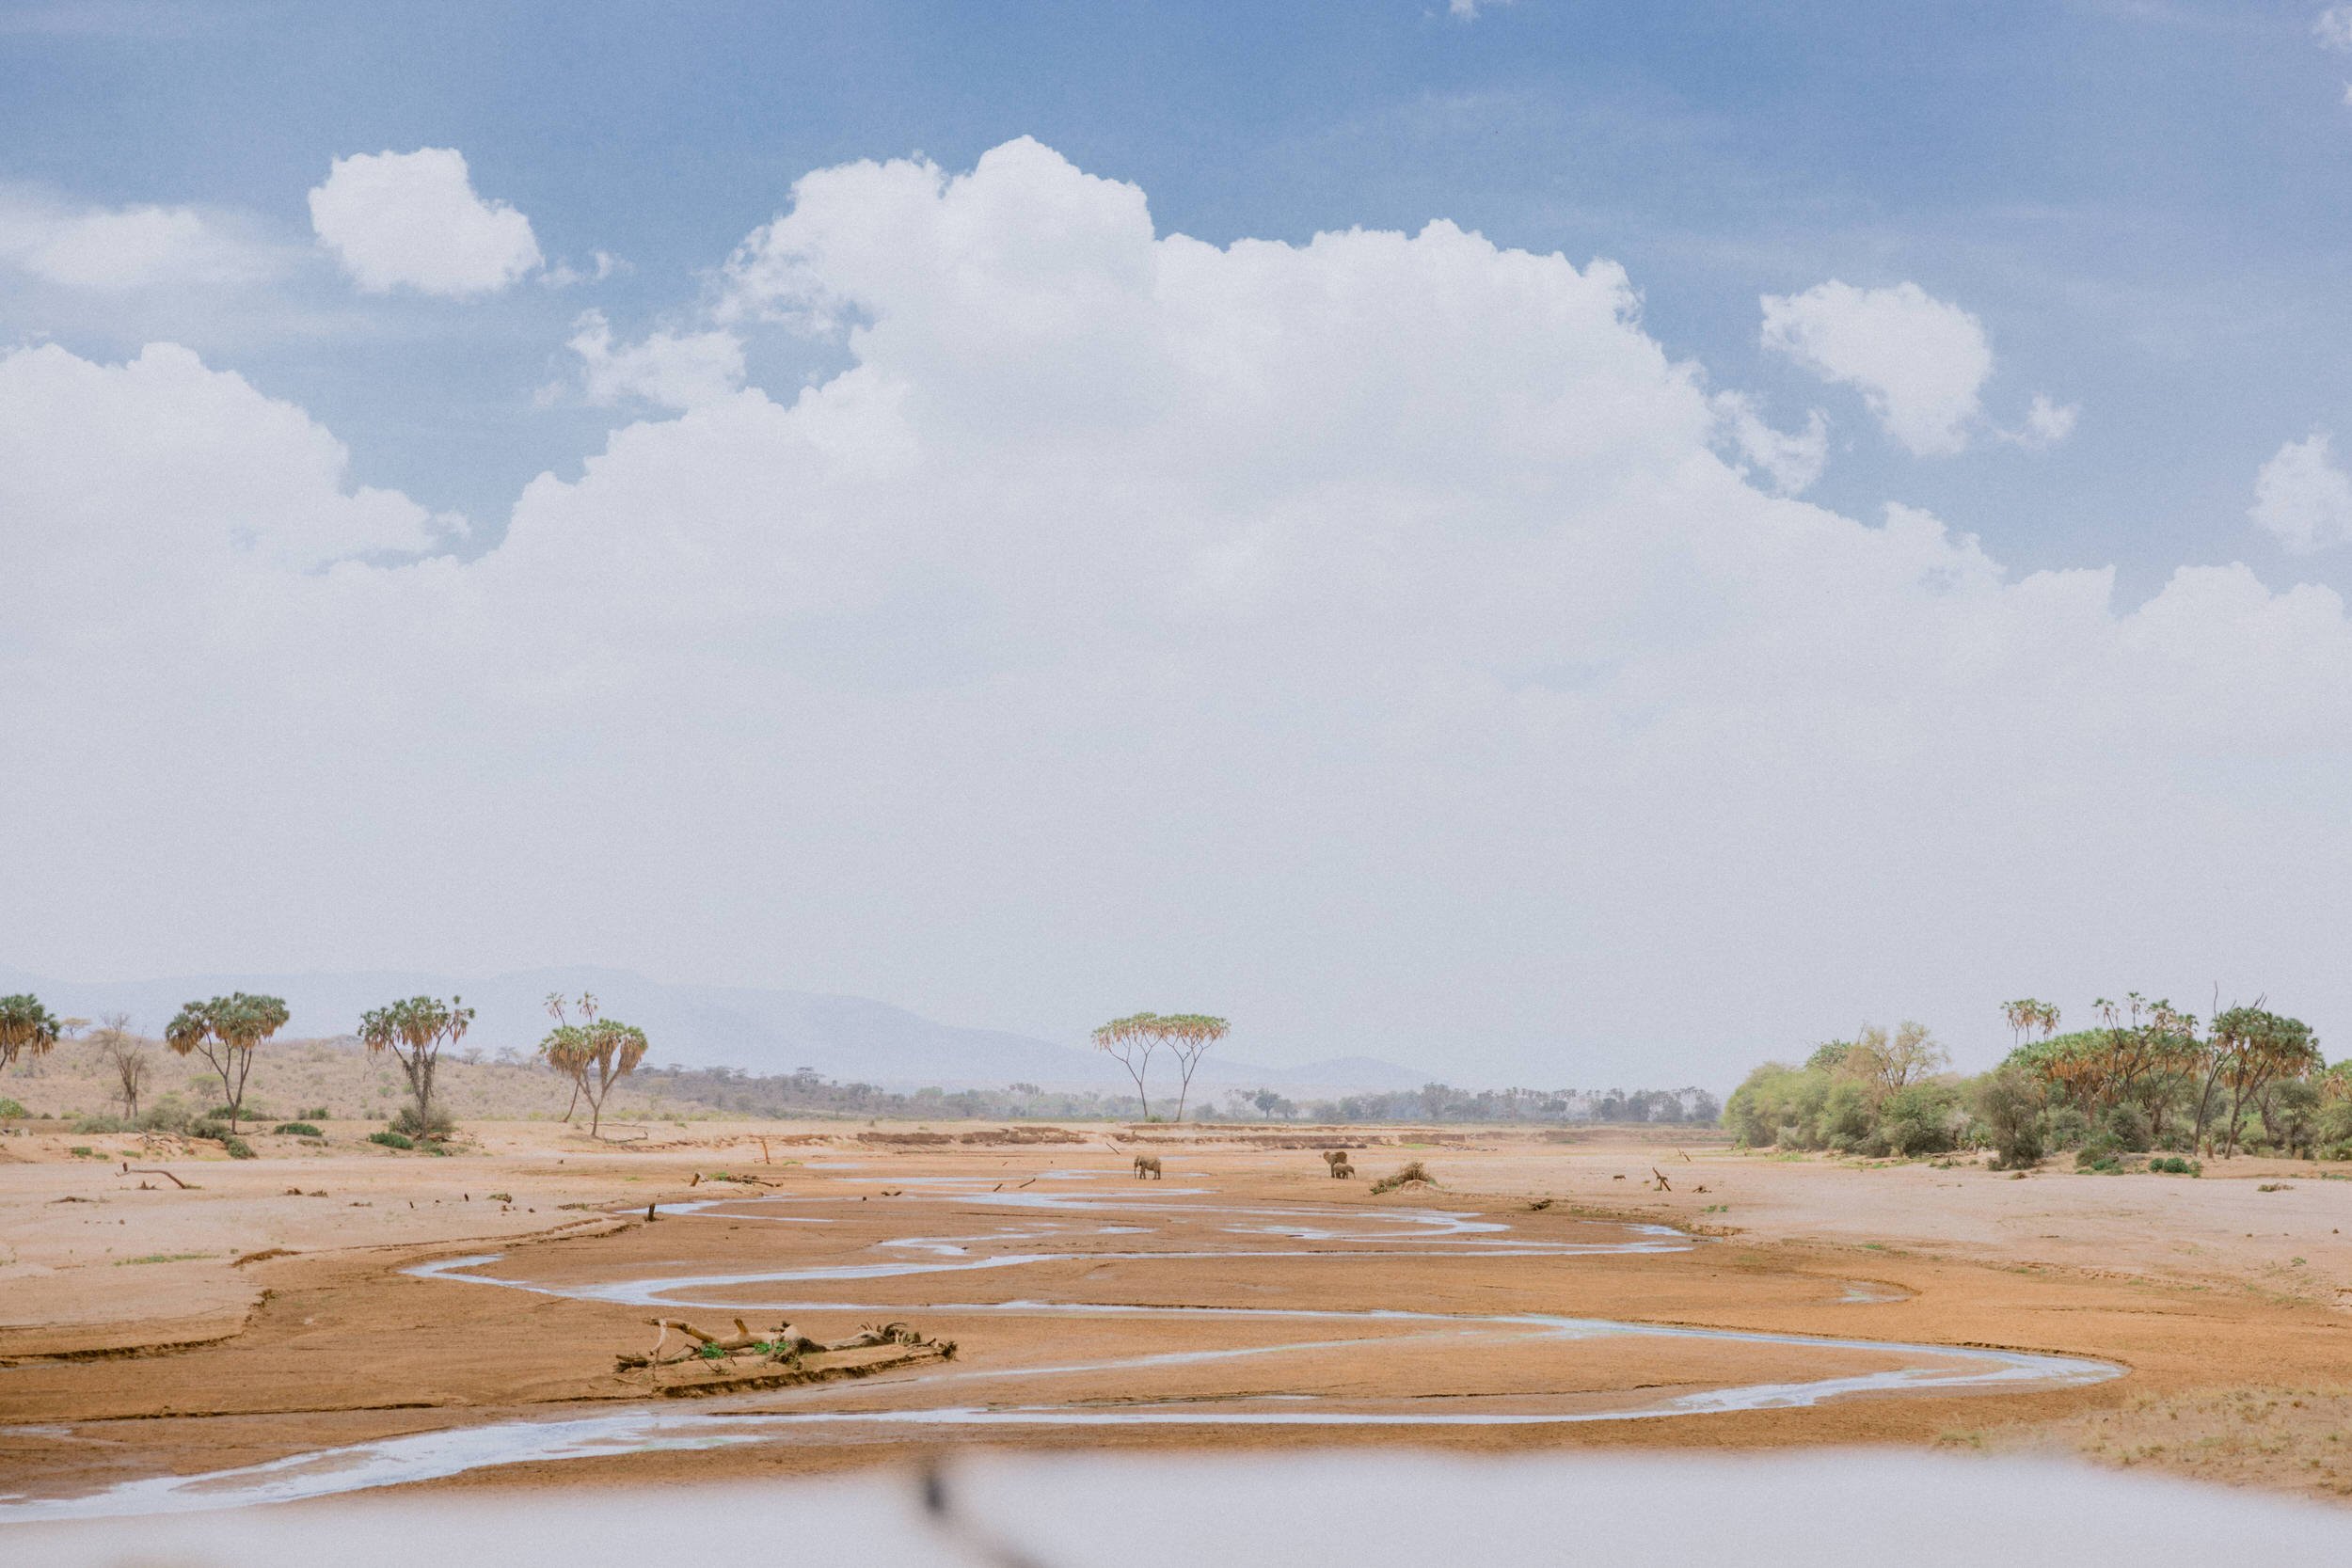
(1569, 543)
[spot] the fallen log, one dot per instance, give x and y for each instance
(783, 1344)
(130, 1169)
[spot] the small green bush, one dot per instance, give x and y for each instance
(83, 1151)
(2172, 1165)
(238, 1148)
(1919, 1118)
(297, 1129)
(2009, 1111)
(2099, 1153)
(391, 1140)
(11, 1110)
(2064, 1126)
(102, 1124)
(409, 1125)
(2126, 1126)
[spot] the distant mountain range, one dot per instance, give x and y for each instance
(847, 1037)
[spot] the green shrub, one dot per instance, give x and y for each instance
(2099, 1153)
(409, 1125)
(238, 1148)
(2064, 1126)
(2295, 1116)
(391, 1140)
(1847, 1123)
(1777, 1105)
(83, 1151)
(2172, 1165)
(297, 1129)
(208, 1129)
(101, 1124)
(11, 1110)
(2126, 1125)
(1920, 1118)
(2009, 1108)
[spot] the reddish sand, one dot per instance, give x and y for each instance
(2216, 1297)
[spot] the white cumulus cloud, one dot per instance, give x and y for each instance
(162, 475)
(412, 221)
(2302, 497)
(2047, 422)
(1919, 362)
(1792, 462)
(2332, 28)
(114, 249)
(1364, 633)
(672, 370)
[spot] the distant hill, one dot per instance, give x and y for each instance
(847, 1037)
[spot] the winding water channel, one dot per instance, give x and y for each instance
(1047, 1226)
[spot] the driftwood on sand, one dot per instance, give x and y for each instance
(781, 1345)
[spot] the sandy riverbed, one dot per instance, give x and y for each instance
(2221, 1302)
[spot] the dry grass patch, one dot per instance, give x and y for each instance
(2284, 1439)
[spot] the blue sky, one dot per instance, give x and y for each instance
(968, 591)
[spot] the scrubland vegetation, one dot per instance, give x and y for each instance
(2146, 1078)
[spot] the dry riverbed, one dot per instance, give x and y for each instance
(272, 1308)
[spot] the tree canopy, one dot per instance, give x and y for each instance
(416, 1031)
(595, 1053)
(27, 1028)
(1131, 1041)
(225, 1031)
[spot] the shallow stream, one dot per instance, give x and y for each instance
(1041, 1228)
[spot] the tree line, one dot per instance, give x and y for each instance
(2145, 1076)
(1690, 1106)
(226, 1032)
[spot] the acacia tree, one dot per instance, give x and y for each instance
(126, 1054)
(1130, 1042)
(597, 1052)
(27, 1028)
(1885, 1064)
(224, 1030)
(416, 1031)
(1189, 1036)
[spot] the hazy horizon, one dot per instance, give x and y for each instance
(1556, 548)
